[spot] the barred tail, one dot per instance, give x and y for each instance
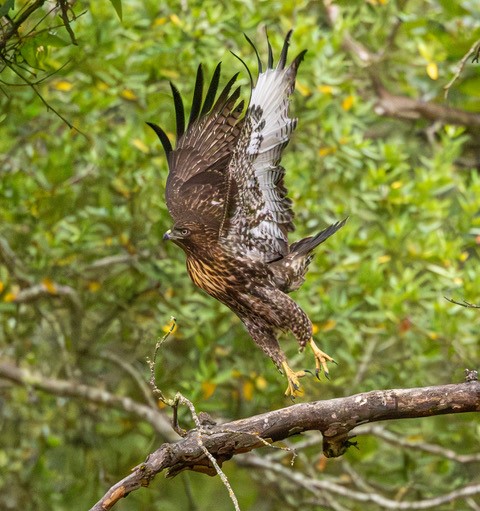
(306, 245)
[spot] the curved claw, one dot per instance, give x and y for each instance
(321, 360)
(293, 389)
(318, 371)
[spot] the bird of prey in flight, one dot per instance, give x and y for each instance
(231, 215)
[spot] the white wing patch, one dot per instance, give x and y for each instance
(270, 95)
(263, 216)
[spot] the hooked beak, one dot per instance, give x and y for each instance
(167, 236)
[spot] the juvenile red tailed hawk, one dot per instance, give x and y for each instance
(231, 215)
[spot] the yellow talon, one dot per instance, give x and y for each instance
(321, 359)
(294, 389)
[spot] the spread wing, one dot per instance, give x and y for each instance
(261, 212)
(197, 183)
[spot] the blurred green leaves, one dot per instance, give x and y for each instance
(84, 208)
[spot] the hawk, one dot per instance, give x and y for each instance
(231, 215)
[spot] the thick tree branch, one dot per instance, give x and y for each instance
(335, 418)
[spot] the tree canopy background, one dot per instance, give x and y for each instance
(87, 286)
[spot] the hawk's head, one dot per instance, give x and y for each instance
(189, 235)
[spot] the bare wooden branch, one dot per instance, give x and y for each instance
(403, 107)
(108, 261)
(416, 445)
(318, 487)
(9, 371)
(335, 418)
(393, 105)
(43, 290)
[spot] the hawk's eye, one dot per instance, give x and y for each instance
(185, 232)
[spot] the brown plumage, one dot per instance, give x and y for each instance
(226, 195)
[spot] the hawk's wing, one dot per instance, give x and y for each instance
(261, 212)
(197, 183)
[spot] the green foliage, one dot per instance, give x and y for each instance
(6, 6)
(84, 208)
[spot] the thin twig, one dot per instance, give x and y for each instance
(133, 372)
(474, 50)
(64, 8)
(464, 303)
(182, 400)
(43, 100)
(200, 431)
(151, 364)
(39, 80)
(13, 30)
(392, 35)
(18, 21)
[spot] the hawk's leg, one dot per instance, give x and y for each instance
(265, 338)
(302, 329)
(293, 389)
(321, 359)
